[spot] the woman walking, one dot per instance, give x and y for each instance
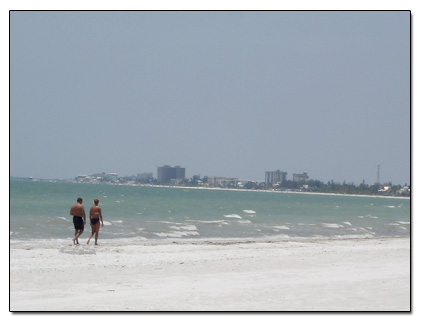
(94, 216)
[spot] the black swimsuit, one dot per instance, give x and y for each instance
(94, 221)
(78, 222)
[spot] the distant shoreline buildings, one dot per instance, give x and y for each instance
(274, 180)
(177, 176)
(275, 177)
(167, 174)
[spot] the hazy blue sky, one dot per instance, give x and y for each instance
(221, 93)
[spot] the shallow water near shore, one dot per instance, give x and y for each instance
(142, 214)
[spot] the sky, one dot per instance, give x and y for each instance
(225, 93)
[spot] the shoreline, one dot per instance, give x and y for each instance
(330, 275)
(250, 190)
(128, 242)
(274, 191)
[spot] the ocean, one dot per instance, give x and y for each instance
(39, 211)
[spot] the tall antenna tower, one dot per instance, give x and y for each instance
(378, 174)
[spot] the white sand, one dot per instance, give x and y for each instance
(331, 275)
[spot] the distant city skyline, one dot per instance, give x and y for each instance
(270, 176)
(229, 94)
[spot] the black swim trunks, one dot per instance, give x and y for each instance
(94, 221)
(78, 222)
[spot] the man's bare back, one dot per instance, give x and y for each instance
(79, 219)
(77, 210)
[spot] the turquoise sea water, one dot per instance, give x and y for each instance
(132, 214)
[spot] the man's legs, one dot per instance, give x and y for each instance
(77, 234)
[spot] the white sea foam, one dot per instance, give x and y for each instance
(390, 206)
(214, 222)
(177, 234)
(368, 216)
(107, 223)
(332, 225)
(244, 221)
(402, 222)
(354, 236)
(281, 227)
(233, 216)
(120, 233)
(347, 223)
(249, 211)
(117, 221)
(167, 222)
(185, 227)
(63, 218)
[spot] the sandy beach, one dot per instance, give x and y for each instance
(319, 275)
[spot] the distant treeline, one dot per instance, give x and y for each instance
(345, 188)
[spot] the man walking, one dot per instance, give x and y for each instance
(79, 219)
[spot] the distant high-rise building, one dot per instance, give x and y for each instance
(300, 177)
(275, 177)
(167, 173)
(180, 172)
